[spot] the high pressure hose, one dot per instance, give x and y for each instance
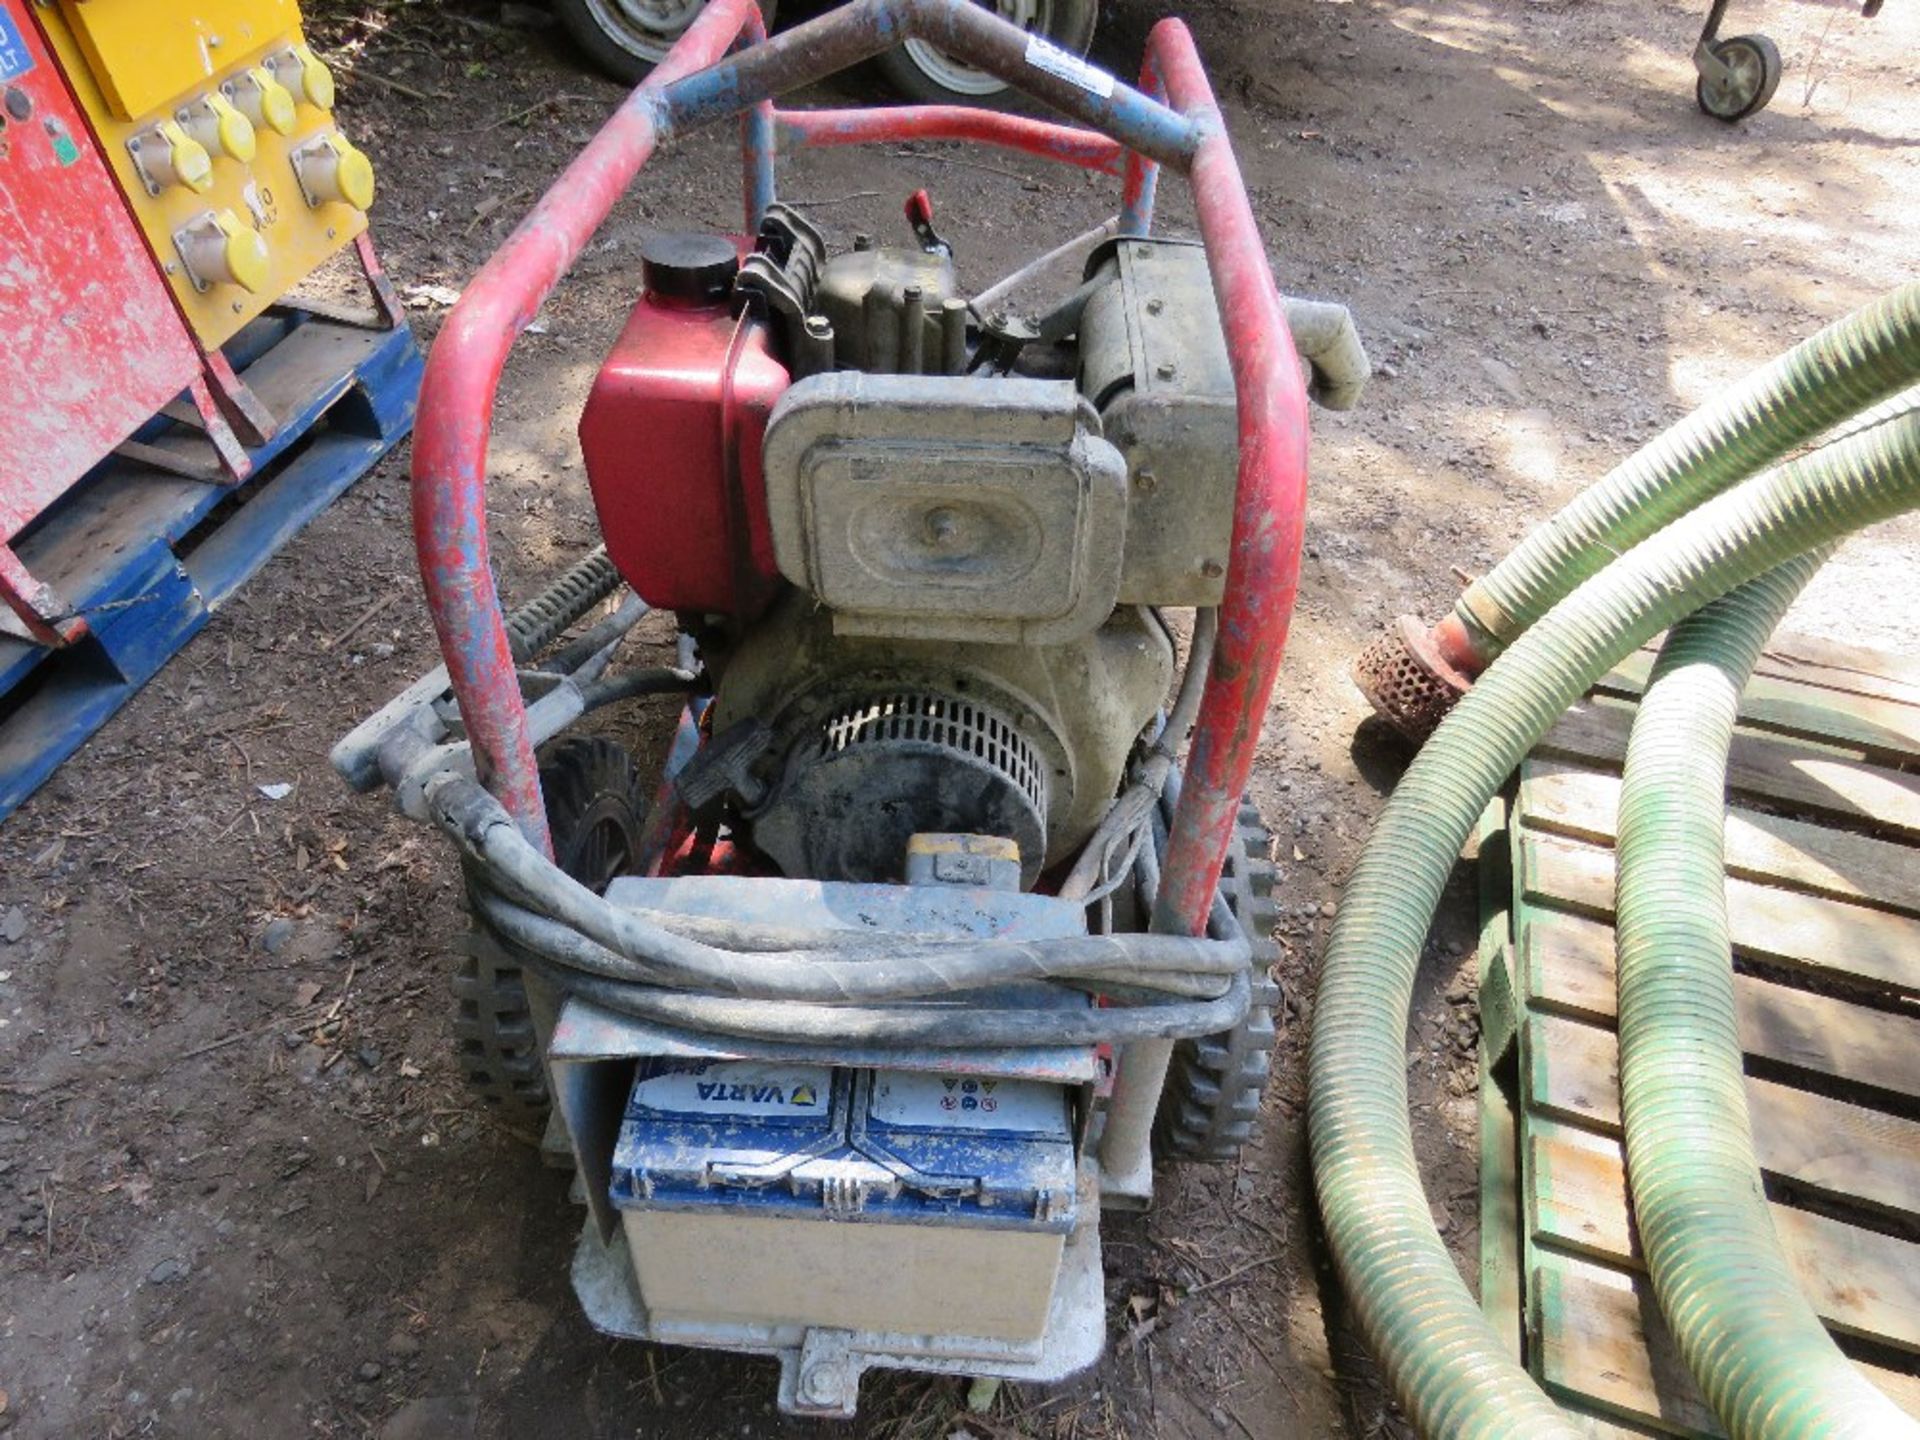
(1413, 675)
(1446, 1364)
(1755, 1345)
(745, 978)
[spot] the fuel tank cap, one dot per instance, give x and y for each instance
(689, 266)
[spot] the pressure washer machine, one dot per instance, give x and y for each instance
(852, 1022)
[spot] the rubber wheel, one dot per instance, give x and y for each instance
(1212, 1097)
(1756, 67)
(626, 38)
(928, 75)
(595, 810)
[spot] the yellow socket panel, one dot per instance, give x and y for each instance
(217, 121)
(144, 53)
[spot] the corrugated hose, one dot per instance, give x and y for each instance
(1445, 1362)
(1753, 1342)
(1858, 361)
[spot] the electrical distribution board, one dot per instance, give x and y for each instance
(217, 120)
(88, 337)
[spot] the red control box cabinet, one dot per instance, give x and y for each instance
(89, 337)
(671, 438)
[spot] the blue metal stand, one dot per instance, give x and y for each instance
(147, 556)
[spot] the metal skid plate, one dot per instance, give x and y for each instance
(820, 1369)
(587, 1033)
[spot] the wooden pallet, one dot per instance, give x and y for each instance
(1823, 858)
(147, 556)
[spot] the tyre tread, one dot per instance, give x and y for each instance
(495, 1043)
(1215, 1083)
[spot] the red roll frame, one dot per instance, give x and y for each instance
(1134, 132)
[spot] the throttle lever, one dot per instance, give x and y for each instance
(920, 216)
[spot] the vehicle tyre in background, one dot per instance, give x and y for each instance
(626, 38)
(925, 74)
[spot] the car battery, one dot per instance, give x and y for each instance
(905, 1202)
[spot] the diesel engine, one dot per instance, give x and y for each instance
(921, 548)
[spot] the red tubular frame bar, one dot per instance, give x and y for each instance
(696, 84)
(814, 129)
(1270, 501)
(455, 417)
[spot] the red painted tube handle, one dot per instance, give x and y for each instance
(1070, 144)
(464, 369)
(456, 415)
(1263, 567)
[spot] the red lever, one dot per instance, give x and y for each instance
(920, 217)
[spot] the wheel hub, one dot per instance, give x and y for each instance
(647, 27)
(965, 79)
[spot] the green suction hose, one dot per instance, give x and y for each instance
(1446, 1364)
(1759, 1352)
(1858, 361)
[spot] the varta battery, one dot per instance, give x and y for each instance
(769, 1192)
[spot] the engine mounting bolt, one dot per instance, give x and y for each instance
(1166, 370)
(1212, 569)
(822, 1384)
(1147, 480)
(1154, 307)
(943, 527)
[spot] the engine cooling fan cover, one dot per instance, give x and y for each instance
(886, 765)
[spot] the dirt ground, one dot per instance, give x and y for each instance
(242, 1191)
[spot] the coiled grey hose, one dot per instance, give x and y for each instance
(1168, 986)
(939, 1026)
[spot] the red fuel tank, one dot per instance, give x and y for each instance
(671, 437)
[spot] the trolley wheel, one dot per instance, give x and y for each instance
(625, 39)
(1212, 1097)
(595, 811)
(1753, 64)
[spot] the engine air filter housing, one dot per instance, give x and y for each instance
(944, 508)
(886, 765)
